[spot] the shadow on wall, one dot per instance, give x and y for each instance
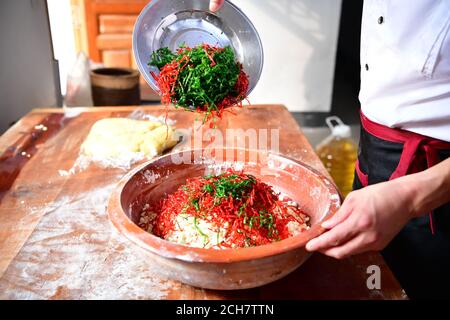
(312, 26)
(316, 33)
(293, 15)
(345, 102)
(29, 73)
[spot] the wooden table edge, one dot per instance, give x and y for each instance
(156, 107)
(15, 130)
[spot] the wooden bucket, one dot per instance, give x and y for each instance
(115, 87)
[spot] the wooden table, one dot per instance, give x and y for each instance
(56, 241)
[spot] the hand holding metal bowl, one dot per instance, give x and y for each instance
(171, 23)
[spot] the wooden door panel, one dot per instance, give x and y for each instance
(117, 58)
(105, 17)
(108, 27)
(117, 23)
(114, 41)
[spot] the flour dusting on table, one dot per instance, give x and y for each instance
(75, 253)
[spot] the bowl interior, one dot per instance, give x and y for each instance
(164, 23)
(315, 194)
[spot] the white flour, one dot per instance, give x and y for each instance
(150, 176)
(75, 253)
(216, 168)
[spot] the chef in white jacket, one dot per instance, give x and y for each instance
(400, 205)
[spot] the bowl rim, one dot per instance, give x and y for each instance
(141, 66)
(173, 250)
(128, 73)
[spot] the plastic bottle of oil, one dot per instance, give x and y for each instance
(338, 153)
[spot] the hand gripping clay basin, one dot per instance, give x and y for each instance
(224, 269)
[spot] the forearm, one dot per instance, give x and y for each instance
(428, 189)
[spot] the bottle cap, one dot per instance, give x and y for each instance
(338, 128)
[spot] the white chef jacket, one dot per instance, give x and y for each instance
(405, 65)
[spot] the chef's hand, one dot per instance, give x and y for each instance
(369, 218)
(215, 5)
(367, 221)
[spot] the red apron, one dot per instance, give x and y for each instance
(416, 149)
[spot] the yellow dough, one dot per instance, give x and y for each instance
(114, 137)
(157, 140)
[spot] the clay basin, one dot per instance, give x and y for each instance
(224, 269)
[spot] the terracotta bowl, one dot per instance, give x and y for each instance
(224, 269)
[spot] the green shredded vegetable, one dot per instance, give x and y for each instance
(201, 83)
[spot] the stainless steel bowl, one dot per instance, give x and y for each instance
(170, 23)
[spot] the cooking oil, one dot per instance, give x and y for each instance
(338, 153)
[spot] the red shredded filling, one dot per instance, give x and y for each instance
(168, 76)
(252, 210)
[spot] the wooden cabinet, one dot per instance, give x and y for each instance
(103, 29)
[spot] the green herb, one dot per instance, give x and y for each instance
(198, 229)
(208, 188)
(233, 185)
(266, 220)
(194, 202)
(161, 57)
(205, 77)
(252, 220)
(241, 209)
(203, 84)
